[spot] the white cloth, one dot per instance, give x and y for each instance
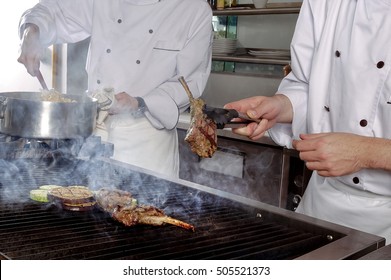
(329, 200)
(341, 59)
(137, 142)
(140, 47)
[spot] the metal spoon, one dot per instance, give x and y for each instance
(41, 80)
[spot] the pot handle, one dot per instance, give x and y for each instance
(3, 106)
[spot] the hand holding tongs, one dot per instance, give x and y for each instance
(223, 117)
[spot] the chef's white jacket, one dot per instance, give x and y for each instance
(140, 47)
(340, 82)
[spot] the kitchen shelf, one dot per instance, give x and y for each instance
(253, 11)
(241, 55)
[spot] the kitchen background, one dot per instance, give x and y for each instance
(260, 170)
(272, 31)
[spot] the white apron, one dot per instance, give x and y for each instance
(327, 199)
(152, 149)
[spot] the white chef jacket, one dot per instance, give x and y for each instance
(340, 82)
(140, 47)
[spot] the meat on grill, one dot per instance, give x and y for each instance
(123, 208)
(147, 215)
(201, 134)
(110, 199)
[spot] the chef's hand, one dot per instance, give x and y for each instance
(334, 154)
(124, 104)
(269, 110)
(30, 49)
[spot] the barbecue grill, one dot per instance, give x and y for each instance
(227, 226)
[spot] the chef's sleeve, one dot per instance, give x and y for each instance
(166, 102)
(295, 84)
(59, 21)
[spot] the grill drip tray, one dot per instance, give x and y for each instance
(225, 229)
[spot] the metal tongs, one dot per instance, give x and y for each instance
(224, 117)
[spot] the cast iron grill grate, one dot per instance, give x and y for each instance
(224, 229)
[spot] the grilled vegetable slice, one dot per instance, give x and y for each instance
(39, 195)
(49, 187)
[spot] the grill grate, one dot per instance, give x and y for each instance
(224, 229)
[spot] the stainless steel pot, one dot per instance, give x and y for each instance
(25, 114)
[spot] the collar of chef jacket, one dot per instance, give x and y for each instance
(142, 2)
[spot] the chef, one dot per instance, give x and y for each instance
(335, 109)
(138, 49)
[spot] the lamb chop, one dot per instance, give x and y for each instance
(147, 215)
(201, 134)
(109, 199)
(122, 206)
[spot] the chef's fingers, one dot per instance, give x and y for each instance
(260, 129)
(32, 63)
(323, 170)
(124, 103)
(312, 136)
(305, 145)
(130, 101)
(253, 130)
(244, 131)
(311, 156)
(245, 104)
(319, 168)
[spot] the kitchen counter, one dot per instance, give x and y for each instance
(184, 123)
(384, 253)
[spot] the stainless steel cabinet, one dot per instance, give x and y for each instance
(266, 173)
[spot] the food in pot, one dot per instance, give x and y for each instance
(73, 198)
(54, 96)
(201, 134)
(123, 208)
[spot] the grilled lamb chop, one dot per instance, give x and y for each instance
(110, 199)
(201, 134)
(123, 207)
(147, 215)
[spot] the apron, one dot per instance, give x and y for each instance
(138, 143)
(330, 200)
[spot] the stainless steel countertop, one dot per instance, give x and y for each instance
(184, 123)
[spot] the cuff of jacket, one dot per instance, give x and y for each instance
(162, 110)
